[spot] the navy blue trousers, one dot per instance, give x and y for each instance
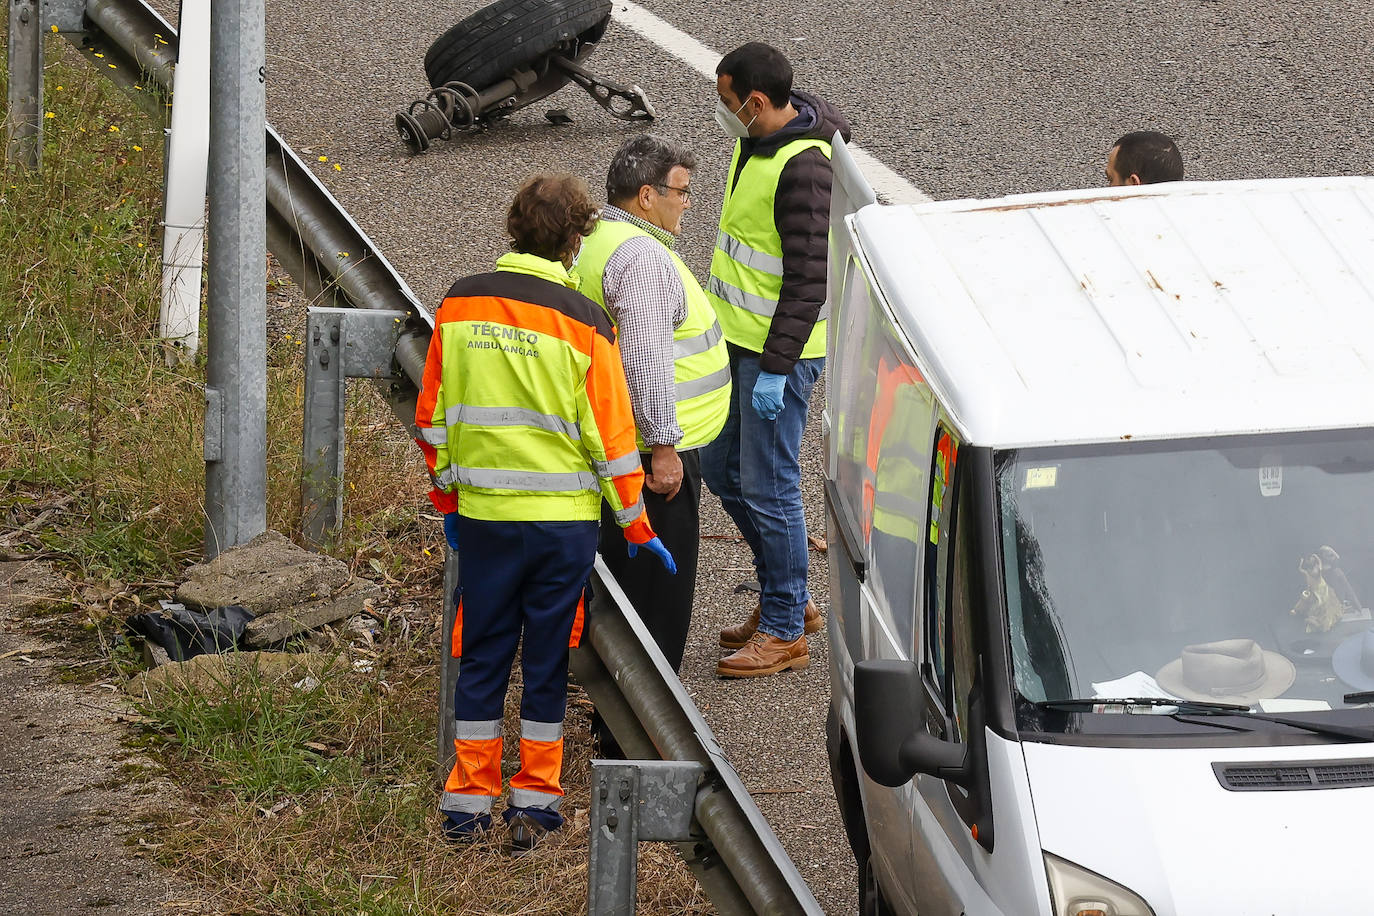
(516, 577)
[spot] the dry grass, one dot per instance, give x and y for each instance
(349, 825)
(314, 802)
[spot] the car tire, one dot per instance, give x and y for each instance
(509, 35)
(871, 900)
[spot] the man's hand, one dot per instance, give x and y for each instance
(655, 547)
(768, 394)
(666, 478)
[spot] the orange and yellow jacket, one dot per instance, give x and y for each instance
(524, 414)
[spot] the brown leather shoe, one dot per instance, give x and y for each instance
(735, 637)
(763, 655)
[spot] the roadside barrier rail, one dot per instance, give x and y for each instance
(733, 852)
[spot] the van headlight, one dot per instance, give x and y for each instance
(1075, 891)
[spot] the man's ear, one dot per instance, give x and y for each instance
(645, 200)
(1134, 179)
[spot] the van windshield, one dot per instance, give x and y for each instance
(1235, 570)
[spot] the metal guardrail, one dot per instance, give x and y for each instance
(735, 854)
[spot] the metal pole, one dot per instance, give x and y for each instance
(236, 366)
(24, 125)
(448, 671)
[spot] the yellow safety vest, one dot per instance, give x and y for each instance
(701, 364)
(524, 410)
(746, 269)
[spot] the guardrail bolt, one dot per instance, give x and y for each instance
(612, 820)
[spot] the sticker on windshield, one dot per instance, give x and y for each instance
(1040, 478)
(1271, 479)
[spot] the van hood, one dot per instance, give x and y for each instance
(1159, 822)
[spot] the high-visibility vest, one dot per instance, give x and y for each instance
(524, 411)
(746, 268)
(701, 364)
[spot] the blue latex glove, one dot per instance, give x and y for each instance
(451, 529)
(655, 547)
(768, 394)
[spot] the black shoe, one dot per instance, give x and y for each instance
(462, 829)
(525, 834)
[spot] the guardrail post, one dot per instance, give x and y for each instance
(24, 123)
(340, 344)
(448, 671)
(634, 800)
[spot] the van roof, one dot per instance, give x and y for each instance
(1161, 311)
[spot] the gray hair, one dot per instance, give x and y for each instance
(642, 160)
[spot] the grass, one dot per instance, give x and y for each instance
(289, 800)
(92, 420)
(321, 801)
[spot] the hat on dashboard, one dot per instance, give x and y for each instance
(1353, 660)
(1227, 671)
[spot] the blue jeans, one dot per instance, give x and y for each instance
(753, 467)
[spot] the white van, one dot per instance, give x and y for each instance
(1100, 498)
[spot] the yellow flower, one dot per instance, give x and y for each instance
(98, 54)
(59, 88)
(54, 30)
(50, 115)
(140, 244)
(324, 158)
(337, 167)
(112, 66)
(137, 148)
(343, 254)
(114, 128)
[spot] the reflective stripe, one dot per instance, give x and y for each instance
(510, 416)
(534, 481)
(540, 731)
(699, 386)
(433, 435)
(627, 516)
(622, 465)
(465, 804)
(528, 798)
(742, 300)
(470, 730)
(749, 257)
(447, 477)
(691, 346)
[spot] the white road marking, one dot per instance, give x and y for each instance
(888, 184)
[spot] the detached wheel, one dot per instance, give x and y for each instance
(510, 35)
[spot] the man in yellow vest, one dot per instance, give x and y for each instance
(675, 364)
(767, 285)
(525, 422)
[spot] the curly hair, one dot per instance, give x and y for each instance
(548, 213)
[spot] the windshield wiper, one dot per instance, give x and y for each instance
(1320, 728)
(1194, 705)
(1202, 708)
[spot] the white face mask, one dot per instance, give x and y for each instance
(729, 120)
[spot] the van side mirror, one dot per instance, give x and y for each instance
(889, 726)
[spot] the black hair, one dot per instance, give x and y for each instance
(757, 67)
(1150, 155)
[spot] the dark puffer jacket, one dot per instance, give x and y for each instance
(801, 212)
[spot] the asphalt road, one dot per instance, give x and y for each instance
(963, 98)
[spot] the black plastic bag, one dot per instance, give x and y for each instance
(186, 634)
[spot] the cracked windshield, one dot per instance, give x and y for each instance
(1225, 570)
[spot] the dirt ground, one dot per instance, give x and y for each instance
(70, 840)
